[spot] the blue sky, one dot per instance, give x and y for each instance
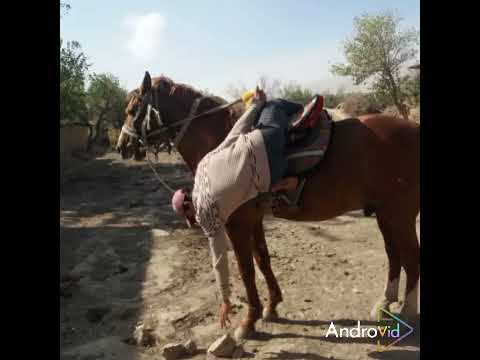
(214, 44)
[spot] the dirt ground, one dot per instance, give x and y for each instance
(125, 259)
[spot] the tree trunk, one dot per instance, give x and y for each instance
(93, 137)
(394, 92)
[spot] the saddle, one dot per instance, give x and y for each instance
(308, 138)
(308, 141)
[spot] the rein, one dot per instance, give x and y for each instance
(158, 177)
(143, 138)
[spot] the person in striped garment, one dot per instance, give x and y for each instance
(245, 164)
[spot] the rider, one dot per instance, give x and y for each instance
(250, 160)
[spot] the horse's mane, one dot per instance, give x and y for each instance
(183, 90)
(189, 93)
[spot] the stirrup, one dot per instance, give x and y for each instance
(299, 190)
(291, 198)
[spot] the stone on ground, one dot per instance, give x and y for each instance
(159, 232)
(144, 336)
(190, 347)
(173, 351)
(223, 347)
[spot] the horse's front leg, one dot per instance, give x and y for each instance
(240, 232)
(262, 258)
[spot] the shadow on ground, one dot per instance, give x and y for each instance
(107, 211)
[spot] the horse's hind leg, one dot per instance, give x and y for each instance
(390, 293)
(262, 258)
(402, 248)
(410, 259)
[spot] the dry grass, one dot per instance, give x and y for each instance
(414, 113)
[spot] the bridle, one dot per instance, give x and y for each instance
(145, 128)
(145, 132)
(146, 125)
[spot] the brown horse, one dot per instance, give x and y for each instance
(372, 162)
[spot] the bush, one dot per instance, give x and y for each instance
(411, 87)
(113, 134)
(413, 112)
(356, 104)
(333, 100)
(294, 92)
(377, 102)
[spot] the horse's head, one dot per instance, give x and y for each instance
(144, 118)
(159, 116)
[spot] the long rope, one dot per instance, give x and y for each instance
(158, 177)
(179, 136)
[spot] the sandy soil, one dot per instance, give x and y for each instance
(127, 260)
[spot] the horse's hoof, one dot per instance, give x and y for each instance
(382, 304)
(242, 333)
(269, 315)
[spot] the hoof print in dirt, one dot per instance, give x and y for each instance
(223, 347)
(96, 314)
(144, 336)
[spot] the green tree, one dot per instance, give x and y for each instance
(377, 53)
(294, 92)
(73, 69)
(105, 102)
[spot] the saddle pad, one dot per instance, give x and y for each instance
(306, 153)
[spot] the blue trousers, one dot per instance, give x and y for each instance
(273, 123)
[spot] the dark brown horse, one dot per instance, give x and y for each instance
(372, 162)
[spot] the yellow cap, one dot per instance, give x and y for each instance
(247, 97)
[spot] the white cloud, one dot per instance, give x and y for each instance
(309, 67)
(145, 34)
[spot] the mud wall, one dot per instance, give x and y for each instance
(73, 139)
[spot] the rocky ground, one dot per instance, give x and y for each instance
(127, 262)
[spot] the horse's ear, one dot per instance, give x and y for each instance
(146, 84)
